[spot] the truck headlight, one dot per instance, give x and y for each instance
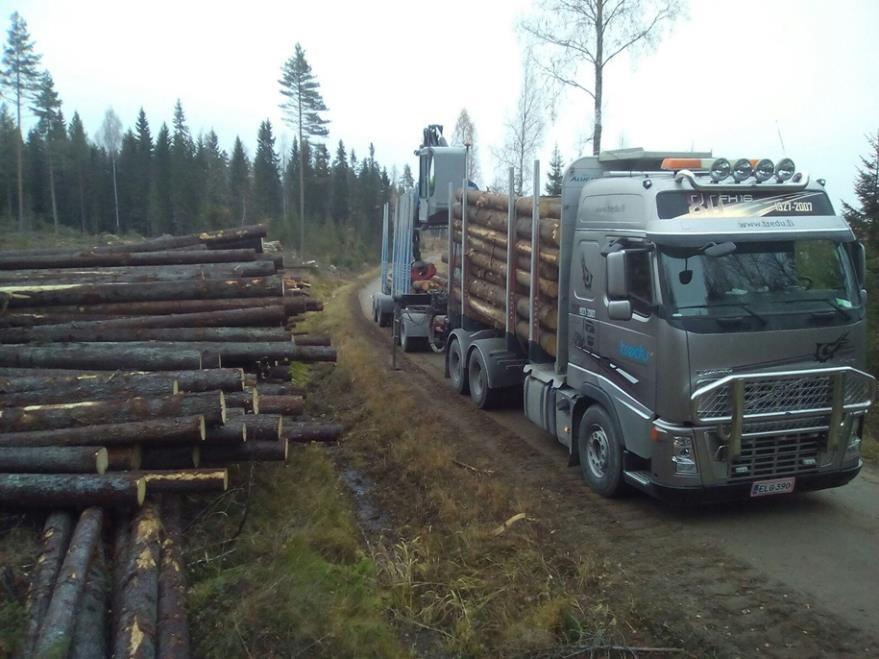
(683, 457)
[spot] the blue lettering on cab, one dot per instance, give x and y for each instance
(635, 353)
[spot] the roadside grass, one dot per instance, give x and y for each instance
(454, 577)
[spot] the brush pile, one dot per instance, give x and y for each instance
(131, 374)
(487, 265)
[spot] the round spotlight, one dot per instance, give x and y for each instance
(784, 169)
(720, 169)
(742, 170)
(764, 170)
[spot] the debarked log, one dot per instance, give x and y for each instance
(56, 490)
(167, 431)
(183, 480)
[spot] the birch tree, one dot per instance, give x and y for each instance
(110, 137)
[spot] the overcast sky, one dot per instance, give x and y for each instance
(728, 78)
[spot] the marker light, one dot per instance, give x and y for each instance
(676, 164)
(784, 169)
(764, 170)
(742, 170)
(720, 169)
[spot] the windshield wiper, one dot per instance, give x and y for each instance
(741, 305)
(842, 312)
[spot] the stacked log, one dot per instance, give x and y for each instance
(130, 374)
(487, 267)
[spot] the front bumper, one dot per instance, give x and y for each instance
(739, 491)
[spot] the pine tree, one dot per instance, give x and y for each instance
(239, 181)
(340, 187)
(21, 76)
(266, 177)
(50, 124)
(302, 107)
(79, 156)
(555, 174)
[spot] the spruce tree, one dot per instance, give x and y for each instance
(555, 174)
(266, 177)
(141, 171)
(50, 124)
(239, 181)
(8, 139)
(340, 187)
(160, 184)
(865, 220)
(302, 106)
(215, 212)
(184, 190)
(21, 77)
(407, 181)
(79, 157)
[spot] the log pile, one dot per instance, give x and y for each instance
(487, 267)
(131, 374)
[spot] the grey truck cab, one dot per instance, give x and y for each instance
(711, 330)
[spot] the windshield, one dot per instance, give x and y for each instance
(760, 279)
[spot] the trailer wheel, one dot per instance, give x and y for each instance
(601, 453)
(482, 395)
(457, 370)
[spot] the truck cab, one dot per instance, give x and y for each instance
(712, 333)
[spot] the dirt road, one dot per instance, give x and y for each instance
(789, 576)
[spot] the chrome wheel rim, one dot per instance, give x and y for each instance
(598, 452)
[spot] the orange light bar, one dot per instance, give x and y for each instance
(675, 164)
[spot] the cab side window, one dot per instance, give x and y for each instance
(640, 280)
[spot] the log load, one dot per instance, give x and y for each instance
(53, 460)
(59, 490)
(168, 431)
(263, 427)
(210, 405)
(173, 629)
(171, 457)
(57, 531)
(56, 632)
(135, 634)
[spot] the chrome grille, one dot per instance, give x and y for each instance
(785, 426)
(776, 457)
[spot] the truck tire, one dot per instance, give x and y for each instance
(483, 396)
(385, 319)
(457, 369)
(601, 452)
(409, 343)
(375, 311)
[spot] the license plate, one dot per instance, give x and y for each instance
(776, 486)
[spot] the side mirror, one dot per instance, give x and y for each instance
(619, 310)
(859, 254)
(617, 281)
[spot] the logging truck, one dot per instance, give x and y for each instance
(684, 325)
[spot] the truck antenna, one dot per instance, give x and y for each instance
(780, 138)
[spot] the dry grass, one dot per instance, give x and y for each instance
(451, 578)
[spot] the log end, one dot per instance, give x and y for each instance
(140, 486)
(286, 445)
(102, 460)
(243, 432)
(222, 408)
(202, 428)
(175, 387)
(196, 456)
(280, 427)
(255, 400)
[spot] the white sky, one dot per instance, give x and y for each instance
(724, 79)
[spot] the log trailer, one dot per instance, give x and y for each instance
(697, 329)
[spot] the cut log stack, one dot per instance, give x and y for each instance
(130, 373)
(487, 267)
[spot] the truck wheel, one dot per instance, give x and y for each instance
(601, 454)
(385, 319)
(408, 343)
(482, 395)
(457, 371)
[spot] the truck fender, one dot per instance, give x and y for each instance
(591, 395)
